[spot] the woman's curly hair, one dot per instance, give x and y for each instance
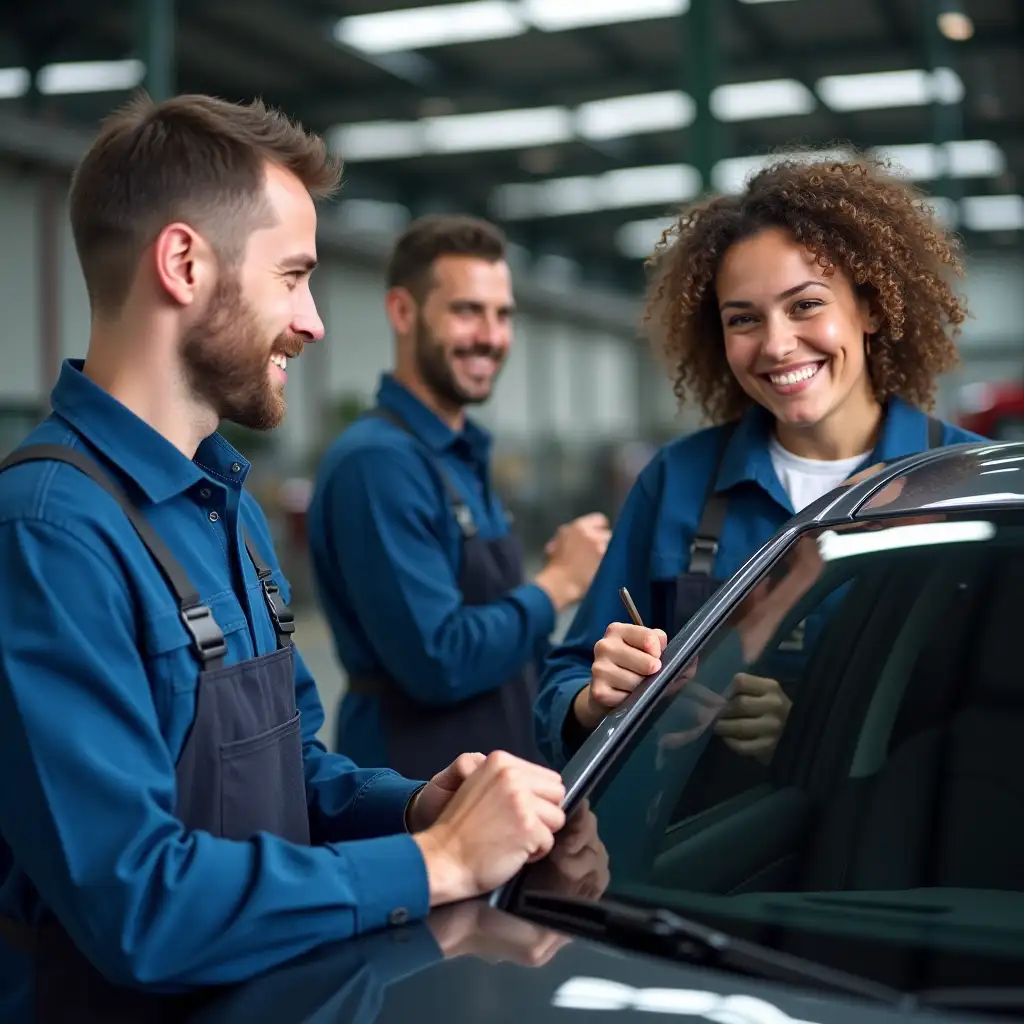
(854, 214)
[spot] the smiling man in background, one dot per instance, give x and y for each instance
(416, 566)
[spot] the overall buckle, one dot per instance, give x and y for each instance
(703, 552)
(280, 612)
(207, 638)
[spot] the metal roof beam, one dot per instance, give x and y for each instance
(481, 94)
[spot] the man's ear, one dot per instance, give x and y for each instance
(401, 309)
(183, 264)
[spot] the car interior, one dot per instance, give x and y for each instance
(890, 819)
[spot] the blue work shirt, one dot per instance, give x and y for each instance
(387, 552)
(651, 540)
(98, 688)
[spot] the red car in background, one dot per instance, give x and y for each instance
(995, 411)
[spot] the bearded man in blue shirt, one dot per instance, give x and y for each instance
(169, 819)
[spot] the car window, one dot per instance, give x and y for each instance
(889, 805)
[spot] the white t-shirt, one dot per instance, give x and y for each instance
(806, 480)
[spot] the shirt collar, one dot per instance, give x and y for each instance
(427, 425)
(146, 457)
(747, 456)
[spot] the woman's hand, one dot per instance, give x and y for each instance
(623, 658)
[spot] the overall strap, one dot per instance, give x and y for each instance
(207, 638)
(934, 432)
(704, 546)
(280, 614)
(461, 511)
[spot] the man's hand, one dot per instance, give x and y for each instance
(574, 553)
(755, 716)
(434, 797)
(504, 815)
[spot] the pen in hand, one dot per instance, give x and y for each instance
(630, 607)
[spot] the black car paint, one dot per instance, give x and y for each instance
(584, 981)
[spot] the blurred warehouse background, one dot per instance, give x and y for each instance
(578, 125)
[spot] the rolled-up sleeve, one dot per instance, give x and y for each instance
(566, 671)
(91, 819)
(381, 517)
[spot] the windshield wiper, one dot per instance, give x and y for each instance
(665, 933)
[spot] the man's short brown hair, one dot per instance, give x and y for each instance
(192, 158)
(433, 236)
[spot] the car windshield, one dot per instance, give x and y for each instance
(881, 831)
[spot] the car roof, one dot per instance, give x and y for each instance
(975, 475)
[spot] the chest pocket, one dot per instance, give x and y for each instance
(170, 659)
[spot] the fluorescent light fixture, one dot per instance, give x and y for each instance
(964, 158)
(498, 129)
(372, 217)
(993, 213)
(911, 88)
(377, 140)
(833, 545)
(90, 76)
(420, 27)
(637, 239)
(559, 15)
(635, 115)
(662, 184)
(14, 82)
(975, 158)
(731, 175)
(748, 101)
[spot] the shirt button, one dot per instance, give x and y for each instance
(236, 467)
(214, 516)
(205, 492)
(398, 916)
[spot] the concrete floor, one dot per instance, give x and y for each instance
(313, 638)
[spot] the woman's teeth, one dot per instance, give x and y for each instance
(795, 376)
(279, 360)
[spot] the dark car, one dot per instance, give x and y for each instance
(868, 868)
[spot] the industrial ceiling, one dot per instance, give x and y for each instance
(578, 124)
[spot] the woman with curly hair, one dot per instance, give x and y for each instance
(809, 317)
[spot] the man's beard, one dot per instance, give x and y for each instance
(226, 361)
(432, 362)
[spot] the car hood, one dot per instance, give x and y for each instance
(496, 972)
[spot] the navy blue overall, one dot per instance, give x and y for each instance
(240, 771)
(422, 740)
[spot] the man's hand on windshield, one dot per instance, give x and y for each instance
(428, 803)
(754, 716)
(504, 815)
